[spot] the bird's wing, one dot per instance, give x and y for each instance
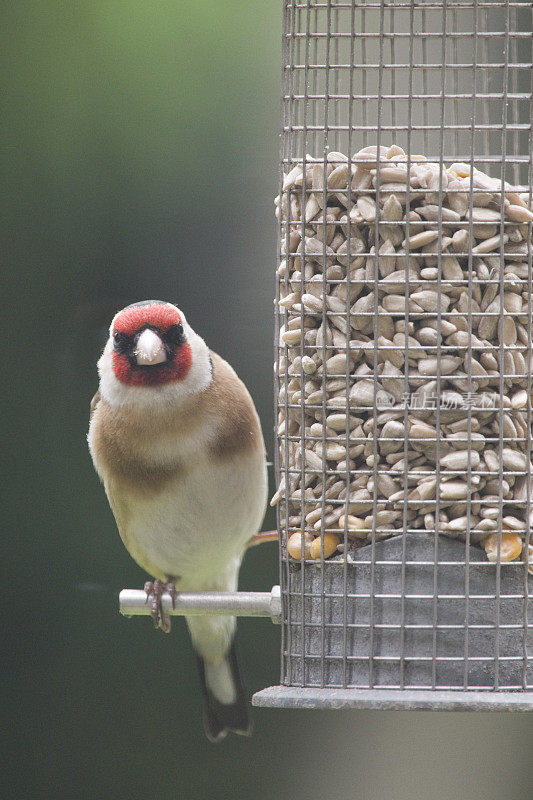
(94, 403)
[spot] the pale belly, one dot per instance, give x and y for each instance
(196, 529)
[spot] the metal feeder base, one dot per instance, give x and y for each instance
(392, 699)
(435, 640)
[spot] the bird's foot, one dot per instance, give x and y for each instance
(154, 591)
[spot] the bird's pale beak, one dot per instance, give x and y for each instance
(149, 349)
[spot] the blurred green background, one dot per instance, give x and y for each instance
(141, 143)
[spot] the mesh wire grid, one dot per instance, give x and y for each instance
(451, 82)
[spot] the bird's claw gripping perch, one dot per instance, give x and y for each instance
(154, 591)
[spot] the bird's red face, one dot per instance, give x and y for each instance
(149, 345)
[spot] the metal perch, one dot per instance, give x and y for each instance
(133, 602)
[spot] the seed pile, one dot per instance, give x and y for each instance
(405, 353)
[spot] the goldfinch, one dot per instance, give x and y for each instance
(176, 440)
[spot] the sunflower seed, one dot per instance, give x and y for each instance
(514, 460)
(420, 239)
(460, 460)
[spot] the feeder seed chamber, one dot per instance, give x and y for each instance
(403, 374)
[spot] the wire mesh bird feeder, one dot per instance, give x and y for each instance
(404, 355)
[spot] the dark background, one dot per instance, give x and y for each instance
(141, 145)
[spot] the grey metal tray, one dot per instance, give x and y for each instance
(451, 629)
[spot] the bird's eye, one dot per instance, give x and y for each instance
(174, 335)
(121, 341)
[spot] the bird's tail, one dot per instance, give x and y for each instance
(226, 703)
